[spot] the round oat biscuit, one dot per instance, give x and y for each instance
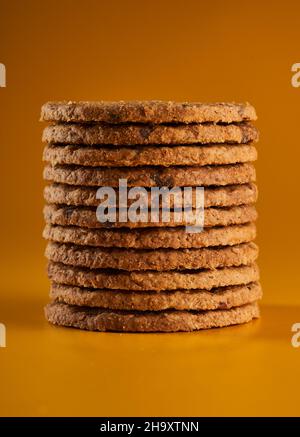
(86, 217)
(230, 195)
(152, 111)
(94, 319)
(149, 238)
(151, 280)
(139, 156)
(159, 259)
(195, 300)
(152, 176)
(138, 134)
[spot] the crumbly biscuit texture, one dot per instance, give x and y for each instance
(153, 111)
(124, 135)
(164, 321)
(151, 280)
(86, 217)
(152, 176)
(159, 156)
(230, 195)
(160, 260)
(174, 238)
(196, 300)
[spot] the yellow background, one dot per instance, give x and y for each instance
(177, 50)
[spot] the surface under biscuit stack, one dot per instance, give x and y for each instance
(150, 277)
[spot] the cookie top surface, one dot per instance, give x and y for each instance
(152, 111)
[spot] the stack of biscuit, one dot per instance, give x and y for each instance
(146, 276)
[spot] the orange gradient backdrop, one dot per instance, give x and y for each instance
(174, 50)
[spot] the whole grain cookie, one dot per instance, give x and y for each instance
(196, 300)
(230, 195)
(174, 238)
(133, 134)
(153, 111)
(159, 156)
(163, 321)
(152, 177)
(86, 217)
(151, 280)
(160, 259)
